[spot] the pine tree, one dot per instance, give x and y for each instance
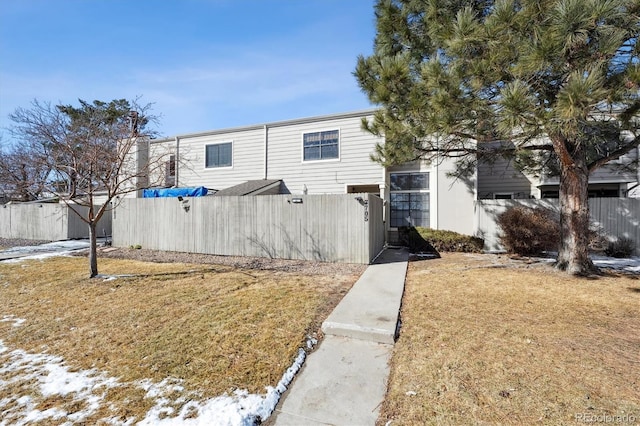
(554, 83)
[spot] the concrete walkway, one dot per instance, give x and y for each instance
(344, 381)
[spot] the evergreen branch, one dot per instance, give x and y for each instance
(623, 149)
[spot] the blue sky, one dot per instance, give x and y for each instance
(205, 64)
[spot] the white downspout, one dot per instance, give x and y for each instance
(177, 161)
(434, 224)
(266, 151)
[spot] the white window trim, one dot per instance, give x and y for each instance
(327, 160)
(220, 167)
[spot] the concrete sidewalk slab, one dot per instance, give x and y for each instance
(371, 309)
(342, 383)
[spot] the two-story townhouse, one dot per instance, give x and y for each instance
(318, 155)
(331, 154)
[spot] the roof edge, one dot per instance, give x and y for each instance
(303, 120)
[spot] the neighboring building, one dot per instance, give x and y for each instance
(331, 154)
(502, 180)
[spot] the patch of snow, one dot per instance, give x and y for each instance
(41, 256)
(44, 251)
(241, 408)
(48, 247)
(106, 278)
(53, 378)
(110, 277)
(17, 322)
(88, 388)
(311, 342)
(631, 264)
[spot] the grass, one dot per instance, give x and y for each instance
(481, 344)
(214, 327)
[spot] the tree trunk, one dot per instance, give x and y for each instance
(573, 253)
(93, 250)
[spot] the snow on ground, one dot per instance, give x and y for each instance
(43, 251)
(631, 264)
(48, 247)
(51, 376)
(17, 322)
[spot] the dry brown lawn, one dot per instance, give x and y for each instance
(215, 327)
(482, 343)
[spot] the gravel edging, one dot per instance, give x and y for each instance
(20, 242)
(256, 263)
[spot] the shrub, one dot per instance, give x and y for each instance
(621, 247)
(598, 241)
(435, 240)
(529, 231)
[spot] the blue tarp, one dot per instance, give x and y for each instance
(199, 191)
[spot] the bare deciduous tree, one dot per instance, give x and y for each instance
(89, 154)
(21, 179)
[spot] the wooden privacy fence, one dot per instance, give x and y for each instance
(613, 217)
(327, 228)
(47, 221)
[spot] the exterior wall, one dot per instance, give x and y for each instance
(501, 178)
(274, 151)
(329, 228)
(615, 217)
(454, 200)
(353, 167)
(247, 159)
(161, 151)
(47, 221)
(133, 178)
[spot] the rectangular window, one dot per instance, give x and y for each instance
(503, 196)
(171, 166)
(321, 145)
(409, 200)
(170, 174)
(219, 155)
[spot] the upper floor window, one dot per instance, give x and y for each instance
(219, 155)
(323, 145)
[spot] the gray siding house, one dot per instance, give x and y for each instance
(331, 155)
